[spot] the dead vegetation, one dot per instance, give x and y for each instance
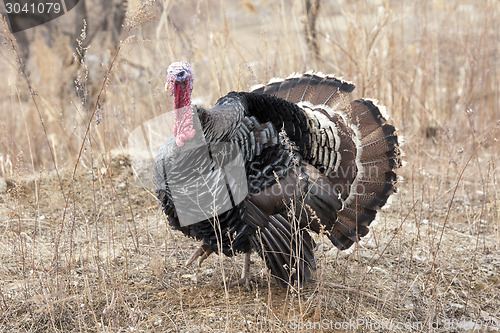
(89, 250)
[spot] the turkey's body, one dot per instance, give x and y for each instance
(312, 163)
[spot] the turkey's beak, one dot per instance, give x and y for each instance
(166, 86)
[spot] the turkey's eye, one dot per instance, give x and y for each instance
(181, 74)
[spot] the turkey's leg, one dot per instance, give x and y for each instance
(245, 275)
(202, 252)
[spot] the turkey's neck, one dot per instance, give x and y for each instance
(183, 118)
(182, 96)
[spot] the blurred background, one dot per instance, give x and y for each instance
(434, 64)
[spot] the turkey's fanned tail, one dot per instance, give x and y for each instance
(350, 144)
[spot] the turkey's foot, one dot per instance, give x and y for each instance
(244, 281)
(203, 252)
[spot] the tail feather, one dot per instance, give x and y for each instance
(294, 90)
(370, 201)
(382, 165)
(373, 188)
(374, 176)
(316, 88)
(331, 91)
(346, 232)
(358, 216)
(365, 115)
(385, 131)
(381, 145)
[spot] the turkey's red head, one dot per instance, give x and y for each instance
(180, 84)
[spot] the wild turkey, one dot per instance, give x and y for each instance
(310, 160)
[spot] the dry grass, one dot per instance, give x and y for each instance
(90, 251)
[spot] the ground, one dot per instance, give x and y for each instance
(116, 265)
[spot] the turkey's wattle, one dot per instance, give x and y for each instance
(180, 84)
(311, 160)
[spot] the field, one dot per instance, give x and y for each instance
(84, 247)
